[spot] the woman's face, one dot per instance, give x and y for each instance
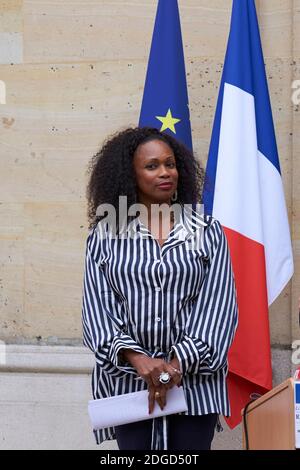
(156, 174)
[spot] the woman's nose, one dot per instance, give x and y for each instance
(164, 171)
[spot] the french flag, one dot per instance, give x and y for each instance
(244, 191)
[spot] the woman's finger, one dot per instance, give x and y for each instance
(148, 379)
(160, 396)
(151, 401)
(164, 398)
(175, 374)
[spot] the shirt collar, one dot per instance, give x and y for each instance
(188, 219)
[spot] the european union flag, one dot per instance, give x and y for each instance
(165, 102)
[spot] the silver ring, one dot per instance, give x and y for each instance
(164, 378)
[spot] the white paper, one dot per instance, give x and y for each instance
(132, 407)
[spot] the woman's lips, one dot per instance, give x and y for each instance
(165, 185)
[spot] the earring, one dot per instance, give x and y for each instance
(174, 197)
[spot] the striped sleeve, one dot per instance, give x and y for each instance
(213, 319)
(102, 317)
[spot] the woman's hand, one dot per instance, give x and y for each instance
(150, 369)
(159, 393)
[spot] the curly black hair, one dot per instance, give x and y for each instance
(111, 172)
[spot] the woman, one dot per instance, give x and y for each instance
(157, 304)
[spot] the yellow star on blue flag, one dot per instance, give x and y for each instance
(168, 122)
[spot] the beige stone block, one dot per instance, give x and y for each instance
(205, 27)
(265, 6)
(281, 364)
(80, 31)
(11, 220)
(47, 359)
(296, 28)
(45, 411)
(55, 120)
(280, 320)
(63, 90)
(275, 21)
(29, 176)
(11, 31)
(11, 296)
(54, 258)
(203, 77)
(103, 32)
(11, 17)
(11, 252)
(11, 48)
(11, 269)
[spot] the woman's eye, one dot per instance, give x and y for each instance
(153, 165)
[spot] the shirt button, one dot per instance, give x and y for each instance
(158, 289)
(158, 319)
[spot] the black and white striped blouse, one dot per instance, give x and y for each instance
(156, 300)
